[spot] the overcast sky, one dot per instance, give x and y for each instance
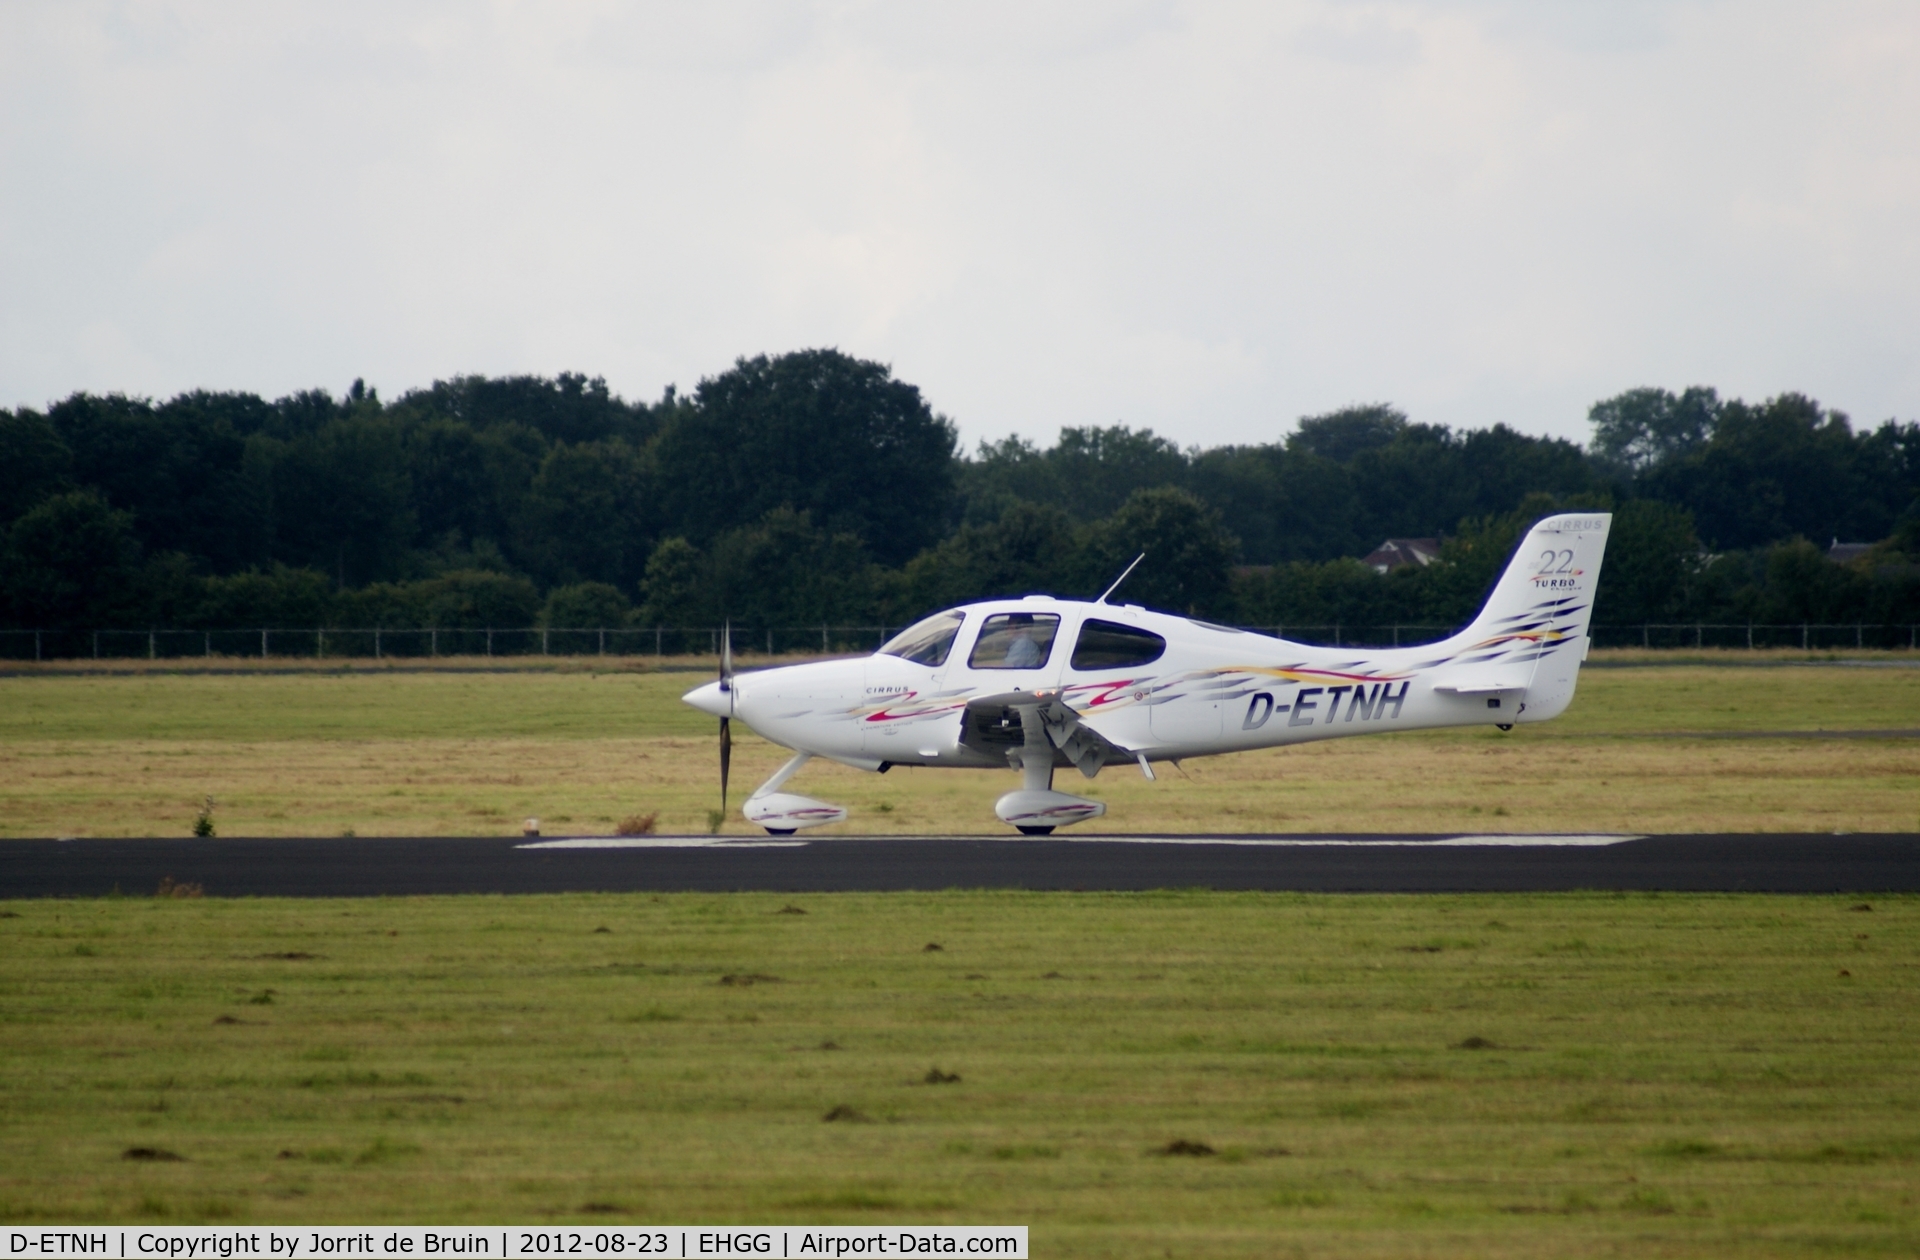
(1209, 219)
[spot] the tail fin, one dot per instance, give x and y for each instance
(1535, 622)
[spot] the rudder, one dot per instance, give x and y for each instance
(1542, 606)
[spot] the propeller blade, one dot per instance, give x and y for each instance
(726, 723)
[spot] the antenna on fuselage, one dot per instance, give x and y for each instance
(1123, 577)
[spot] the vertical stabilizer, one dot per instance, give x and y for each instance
(1538, 614)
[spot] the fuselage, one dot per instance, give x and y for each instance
(1182, 688)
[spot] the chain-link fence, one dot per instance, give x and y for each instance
(382, 643)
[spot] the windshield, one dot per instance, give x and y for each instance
(926, 642)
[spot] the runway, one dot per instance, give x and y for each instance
(392, 867)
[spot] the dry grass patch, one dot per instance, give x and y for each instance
(587, 753)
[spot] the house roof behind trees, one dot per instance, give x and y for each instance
(1395, 553)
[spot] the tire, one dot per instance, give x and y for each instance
(1036, 831)
(781, 831)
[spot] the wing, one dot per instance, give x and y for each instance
(998, 725)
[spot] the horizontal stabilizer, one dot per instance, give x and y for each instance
(1488, 682)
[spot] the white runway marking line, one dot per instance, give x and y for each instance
(1508, 841)
(664, 842)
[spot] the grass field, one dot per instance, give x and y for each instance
(379, 752)
(1567, 1075)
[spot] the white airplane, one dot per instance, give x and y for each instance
(1039, 684)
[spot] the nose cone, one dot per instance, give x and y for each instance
(710, 699)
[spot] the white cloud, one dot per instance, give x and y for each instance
(1206, 218)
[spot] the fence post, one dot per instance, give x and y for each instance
(149, 643)
(1803, 636)
(319, 643)
(543, 640)
(489, 642)
(603, 640)
(657, 633)
(206, 643)
(36, 645)
(263, 643)
(1856, 635)
(96, 645)
(1644, 640)
(1336, 634)
(1396, 636)
(1696, 634)
(823, 638)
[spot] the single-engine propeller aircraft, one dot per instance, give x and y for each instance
(1039, 684)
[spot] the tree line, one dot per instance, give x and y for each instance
(814, 487)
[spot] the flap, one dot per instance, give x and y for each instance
(990, 728)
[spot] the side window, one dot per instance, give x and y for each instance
(926, 642)
(1015, 641)
(1110, 645)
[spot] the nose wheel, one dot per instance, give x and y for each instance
(1035, 831)
(782, 813)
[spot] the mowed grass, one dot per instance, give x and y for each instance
(380, 752)
(1566, 1075)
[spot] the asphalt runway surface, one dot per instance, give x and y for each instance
(374, 866)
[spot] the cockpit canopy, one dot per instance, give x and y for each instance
(1024, 640)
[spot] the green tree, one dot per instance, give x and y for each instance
(279, 598)
(1089, 472)
(583, 517)
(467, 484)
(72, 563)
(585, 606)
(1188, 553)
(1789, 467)
(1803, 585)
(675, 589)
(1342, 435)
(1643, 429)
(1032, 549)
(1652, 560)
(571, 407)
(463, 600)
(1283, 503)
(785, 571)
(1454, 588)
(35, 464)
(817, 432)
(341, 500)
(176, 468)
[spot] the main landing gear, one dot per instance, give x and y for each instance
(1036, 809)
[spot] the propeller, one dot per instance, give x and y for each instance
(726, 734)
